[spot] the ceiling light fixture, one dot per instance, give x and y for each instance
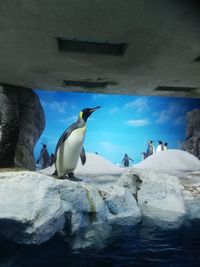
(175, 89)
(115, 49)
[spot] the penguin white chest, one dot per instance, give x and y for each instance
(69, 152)
(159, 148)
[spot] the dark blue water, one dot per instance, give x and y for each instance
(145, 244)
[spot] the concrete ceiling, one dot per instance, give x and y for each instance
(163, 38)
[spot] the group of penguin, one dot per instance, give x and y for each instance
(151, 149)
(161, 146)
(70, 147)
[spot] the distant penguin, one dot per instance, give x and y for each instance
(44, 157)
(165, 147)
(159, 147)
(144, 155)
(150, 149)
(70, 146)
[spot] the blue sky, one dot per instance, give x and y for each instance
(124, 124)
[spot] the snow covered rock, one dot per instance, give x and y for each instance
(30, 207)
(166, 185)
(191, 193)
(159, 195)
(34, 206)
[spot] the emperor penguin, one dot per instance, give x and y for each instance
(150, 149)
(165, 146)
(159, 147)
(70, 146)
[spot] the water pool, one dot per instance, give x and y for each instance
(145, 244)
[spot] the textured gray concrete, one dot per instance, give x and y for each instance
(9, 131)
(22, 123)
(192, 143)
(162, 36)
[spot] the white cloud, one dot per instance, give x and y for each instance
(138, 123)
(180, 120)
(68, 120)
(114, 110)
(172, 112)
(72, 119)
(58, 106)
(109, 147)
(140, 104)
(163, 117)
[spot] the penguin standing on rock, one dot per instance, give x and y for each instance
(150, 149)
(165, 146)
(160, 147)
(70, 146)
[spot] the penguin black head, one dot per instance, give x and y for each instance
(43, 145)
(86, 112)
(160, 142)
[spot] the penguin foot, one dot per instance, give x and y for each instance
(71, 177)
(63, 177)
(75, 179)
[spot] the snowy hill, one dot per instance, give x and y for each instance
(170, 160)
(95, 166)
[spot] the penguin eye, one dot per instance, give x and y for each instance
(85, 111)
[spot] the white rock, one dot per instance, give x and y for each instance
(33, 206)
(191, 193)
(159, 194)
(30, 207)
(119, 201)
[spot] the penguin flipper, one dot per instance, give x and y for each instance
(83, 156)
(65, 135)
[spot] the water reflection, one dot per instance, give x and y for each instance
(118, 244)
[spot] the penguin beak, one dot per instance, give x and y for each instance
(93, 109)
(87, 112)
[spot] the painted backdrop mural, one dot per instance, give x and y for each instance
(124, 124)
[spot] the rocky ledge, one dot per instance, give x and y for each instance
(34, 206)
